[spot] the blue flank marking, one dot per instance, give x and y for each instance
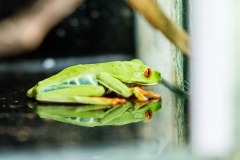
(73, 118)
(52, 89)
(88, 80)
(82, 80)
(84, 119)
(73, 82)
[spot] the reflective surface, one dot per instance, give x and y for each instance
(97, 115)
(23, 131)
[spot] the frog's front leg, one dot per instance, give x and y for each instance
(140, 93)
(120, 88)
(114, 113)
(86, 94)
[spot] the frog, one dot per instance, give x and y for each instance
(89, 115)
(89, 83)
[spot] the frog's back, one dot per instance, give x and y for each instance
(86, 74)
(74, 75)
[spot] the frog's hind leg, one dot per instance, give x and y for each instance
(84, 94)
(82, 100)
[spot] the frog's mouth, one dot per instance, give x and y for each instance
(142, 84)
(149, 84)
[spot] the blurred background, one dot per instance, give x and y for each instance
(199, 112)
(94, 29)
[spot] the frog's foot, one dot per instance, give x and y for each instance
(138, 104)
(111, 101)
(150, 93)
(141, 94)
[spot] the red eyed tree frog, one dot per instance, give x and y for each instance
(87, 84)
(98, 115)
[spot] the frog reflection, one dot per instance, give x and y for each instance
(98, 115)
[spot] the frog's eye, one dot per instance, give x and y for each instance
(148, 114)
(148, 72)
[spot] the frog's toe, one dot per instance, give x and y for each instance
(116, 101)
(149, 93)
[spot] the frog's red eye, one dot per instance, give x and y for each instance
(148, 72)
(148, 114)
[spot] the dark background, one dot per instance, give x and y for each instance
(95, 28)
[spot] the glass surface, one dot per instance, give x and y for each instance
(30, 130)
(23, 133)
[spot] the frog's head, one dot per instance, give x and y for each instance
(145, 75)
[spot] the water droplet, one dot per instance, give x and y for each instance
(61, 32)
(74, 22)
(48, 63)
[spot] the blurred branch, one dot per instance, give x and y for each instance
(156, 17)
